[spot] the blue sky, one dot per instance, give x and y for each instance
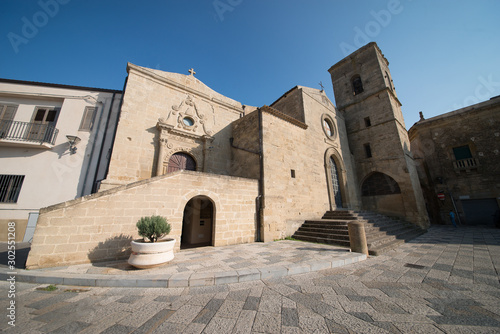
(443, 54)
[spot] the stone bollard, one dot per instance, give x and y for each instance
(357, 237)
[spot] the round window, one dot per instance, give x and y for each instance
(328, 126)
(188, 121)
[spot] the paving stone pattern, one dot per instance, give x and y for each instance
(453, 289)
(200, 267)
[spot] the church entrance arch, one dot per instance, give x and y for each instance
(181, 161)
(198, 223)
(335, 179)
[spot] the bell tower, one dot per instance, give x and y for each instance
(365, 95)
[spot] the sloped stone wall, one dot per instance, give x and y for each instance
(100, 227)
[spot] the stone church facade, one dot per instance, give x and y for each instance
(225, 173)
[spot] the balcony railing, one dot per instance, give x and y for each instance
(28, 132)
(465, 164)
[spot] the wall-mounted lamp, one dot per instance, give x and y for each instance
(72, 141)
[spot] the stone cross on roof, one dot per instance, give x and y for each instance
(192, 71)
(321, 85)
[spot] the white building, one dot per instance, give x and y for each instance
(38, 164)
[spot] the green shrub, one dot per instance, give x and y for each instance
(153, 227)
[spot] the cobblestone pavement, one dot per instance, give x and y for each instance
(444, 281)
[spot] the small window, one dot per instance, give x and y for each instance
(368, 123)
(462, 152)
(389, 80)
(88, 119)
(293, 173)
(368, 150)
(10, 187)
(40, 115)
(188, 121)
(357, 85)
(45, 115)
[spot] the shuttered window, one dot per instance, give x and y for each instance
(10, 187)
(88, 119)
(7, 113)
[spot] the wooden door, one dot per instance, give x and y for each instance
(181, 161)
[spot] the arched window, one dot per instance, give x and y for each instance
(379, 184)
(180, 161)
(334, 174)
(357, 85)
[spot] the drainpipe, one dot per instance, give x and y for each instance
(261, 198)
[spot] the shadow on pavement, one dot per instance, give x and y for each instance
(21, 254)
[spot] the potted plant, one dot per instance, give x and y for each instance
(151, 250)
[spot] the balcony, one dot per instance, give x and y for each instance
(465, 165)
(15, 133)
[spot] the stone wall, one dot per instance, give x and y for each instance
(246, 148)
(295, 171)
(432, 143)
(100, 227)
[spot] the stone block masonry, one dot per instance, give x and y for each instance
(100, 227)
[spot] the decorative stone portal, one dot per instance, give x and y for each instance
(198, 223)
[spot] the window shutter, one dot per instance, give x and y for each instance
(88, 119)
(7, 113)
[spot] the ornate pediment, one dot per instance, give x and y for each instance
(188, 118)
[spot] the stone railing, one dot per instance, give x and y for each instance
(465, 164)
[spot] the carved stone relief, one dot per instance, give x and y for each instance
(187, 116)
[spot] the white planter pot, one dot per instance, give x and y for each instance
(151, 254)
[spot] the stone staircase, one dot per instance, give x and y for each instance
(382, 233)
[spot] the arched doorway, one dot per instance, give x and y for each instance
(335, 184)
(336, 180)
(198, 223)
(381, 193)
(181, 161)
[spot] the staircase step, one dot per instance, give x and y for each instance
(389, 239)
(324, 230)
(326, 222)
(383, 233)
(322, 235)
(323, 240)
(379, 250)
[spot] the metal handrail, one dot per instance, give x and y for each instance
(28, 131)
